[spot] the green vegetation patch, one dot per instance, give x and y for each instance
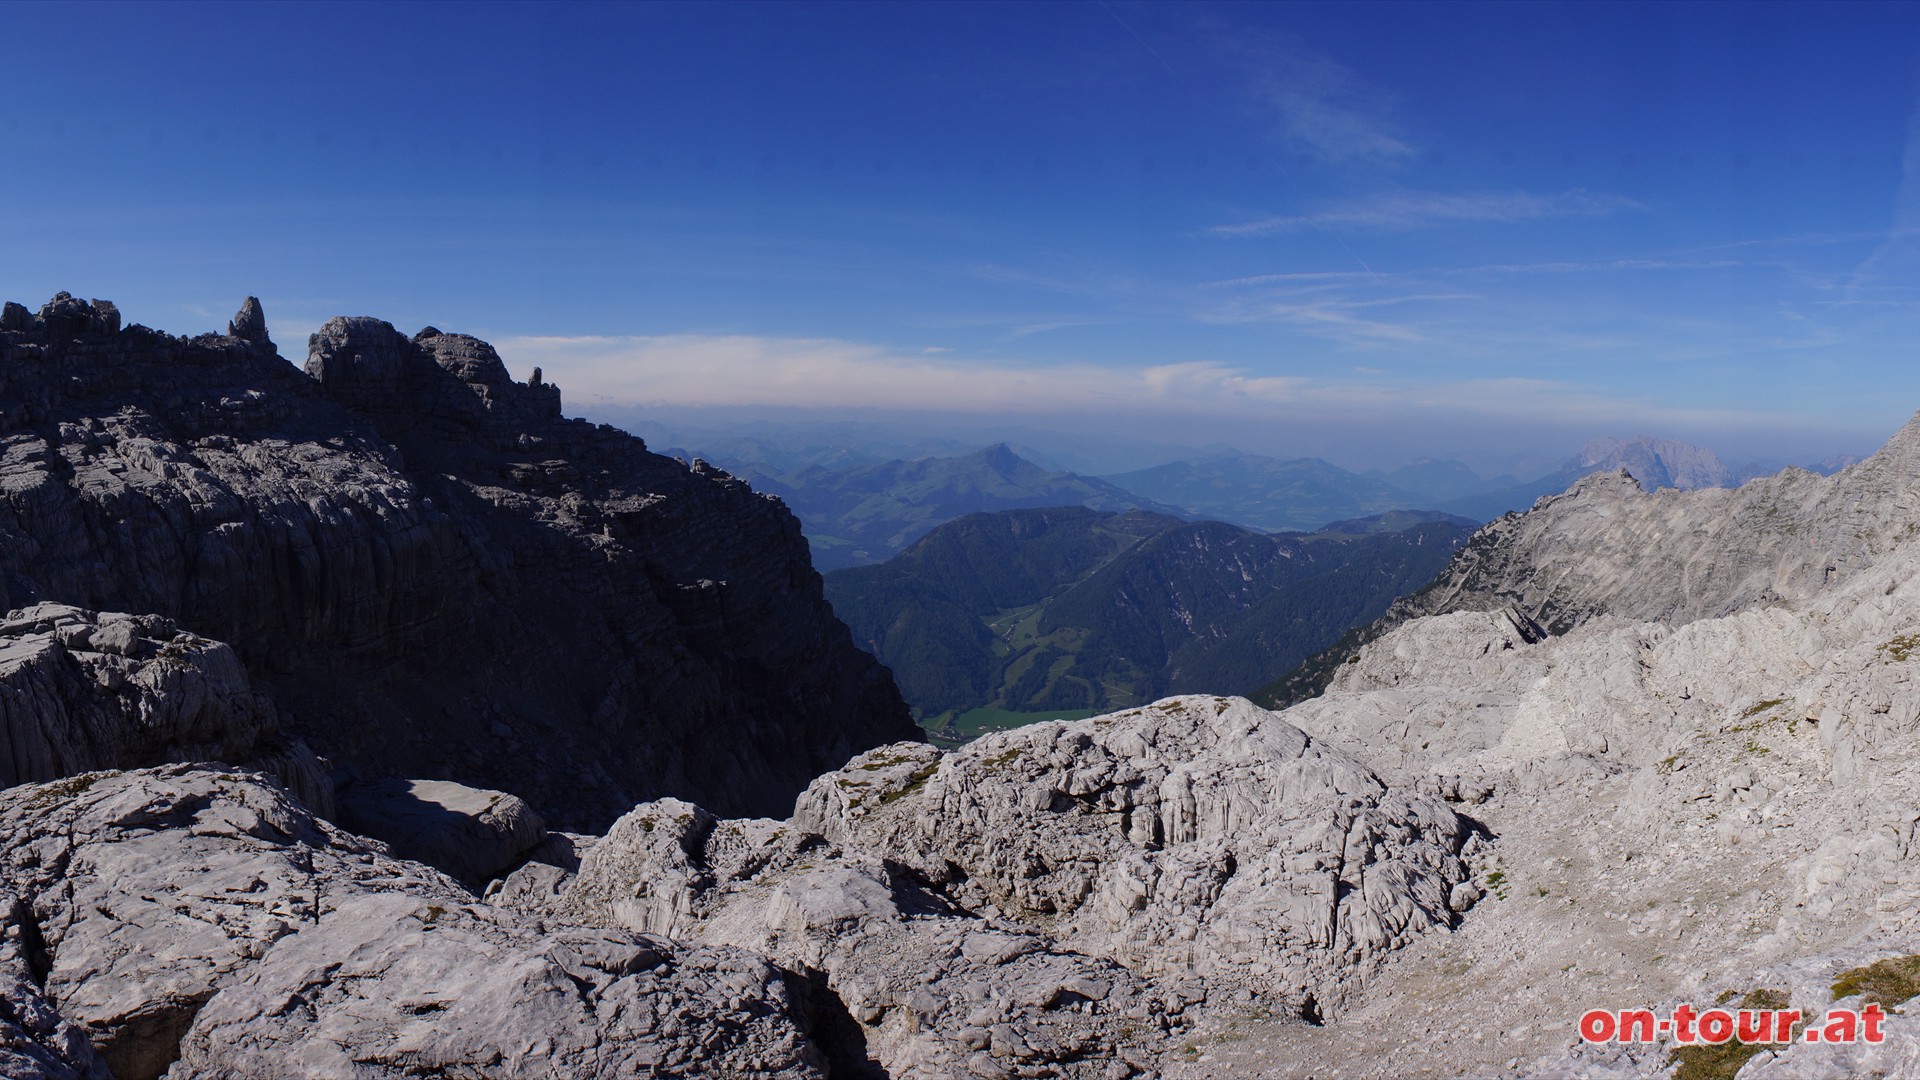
(1888, 982)
(1902, 647)
(1759, 707)
(914, 783)
(1497, 884)
(1701, 1061)
(62, 790)
(1000, 760)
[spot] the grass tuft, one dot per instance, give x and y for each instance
(1888, 982)
(1701, 1061)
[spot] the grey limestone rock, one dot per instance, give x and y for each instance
(249, 324)
(86, 691)
(36, 1042)
(151, 889)
(395, 986)
(430, 570)
(188, 921)
(908, 985)
(1198, 835)
(1053, 897)
(1606, 546)
(471, 833)
(1703, 785)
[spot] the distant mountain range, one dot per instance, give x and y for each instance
(868, 513)
(1305, 493)
(1263, 492)
(1072, 608)
(857, 510)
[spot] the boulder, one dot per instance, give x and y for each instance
(194, 921)
(400, 986)
(1052, 898)
(153, 888)
(472, 833)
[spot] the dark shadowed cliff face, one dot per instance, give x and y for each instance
(430, 571)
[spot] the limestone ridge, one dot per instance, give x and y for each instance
(1606, 546)
(427, 569)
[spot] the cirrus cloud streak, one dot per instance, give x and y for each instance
(1408, 210)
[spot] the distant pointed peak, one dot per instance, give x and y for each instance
(1000, 455)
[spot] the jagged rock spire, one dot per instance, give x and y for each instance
(250, 324)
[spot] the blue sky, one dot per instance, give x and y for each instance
(1362, 231)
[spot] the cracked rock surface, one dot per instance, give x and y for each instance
(82, 691)
(1052, 900)
(190, 921)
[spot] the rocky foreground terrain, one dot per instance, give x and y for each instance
(313, 699)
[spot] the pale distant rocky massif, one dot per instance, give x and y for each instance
(1630, 750)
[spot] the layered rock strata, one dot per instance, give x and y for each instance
(428, 569)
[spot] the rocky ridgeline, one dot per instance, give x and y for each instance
(1605, 546)
(427, 569)
(1705, 785)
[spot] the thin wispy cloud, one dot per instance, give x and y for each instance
(1895, 258)
(1048, 327)
(1335, 277)
(1405, 211)
(1321, 108)
(1345, 319)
